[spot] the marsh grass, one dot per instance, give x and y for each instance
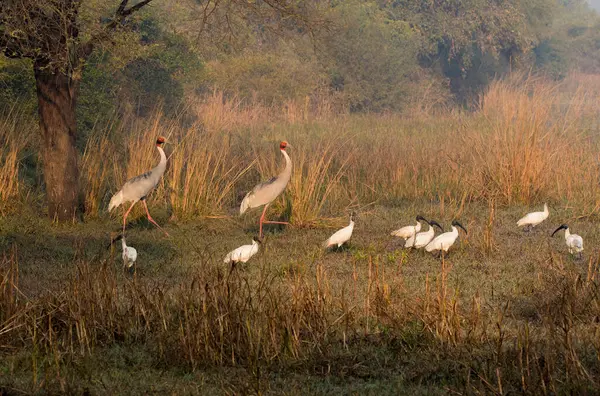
(15, 140)
(290, 321)
(504, 314)
(530, 140)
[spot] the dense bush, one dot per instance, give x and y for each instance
(362, 55)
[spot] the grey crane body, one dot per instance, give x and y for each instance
(266, 192)
(137, 188)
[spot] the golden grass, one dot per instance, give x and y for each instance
(226, 318)
(14, 139)
(531, 140)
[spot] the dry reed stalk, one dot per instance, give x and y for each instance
(15, 139)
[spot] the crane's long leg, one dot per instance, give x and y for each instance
(260, 222)
(151, 219)
(263, 221)
(125, 216)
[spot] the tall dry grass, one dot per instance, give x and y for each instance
(531, 140)
(15, 139)
(222, 318)
(533, 143)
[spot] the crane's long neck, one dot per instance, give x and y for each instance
(287, 171)
(162, 165)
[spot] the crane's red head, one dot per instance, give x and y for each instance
(283, 145)
(160, 141)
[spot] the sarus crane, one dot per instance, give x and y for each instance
(266, 192)
(137, 188)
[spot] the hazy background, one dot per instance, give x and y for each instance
(595, 4)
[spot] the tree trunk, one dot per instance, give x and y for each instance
(56, 106)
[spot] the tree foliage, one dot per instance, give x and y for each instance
(370, 55)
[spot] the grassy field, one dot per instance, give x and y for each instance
(296, 320)
(505, 313)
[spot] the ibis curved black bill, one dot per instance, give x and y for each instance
(561, 227)
(457, 224)
(421, 218)
(435, 223)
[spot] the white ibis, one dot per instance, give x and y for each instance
(137, 188)
(341, 236)
(266, 192)
(444, 241)
(421, 239)
(408, 231)
(531, 220)
(243, 253)
(129, 255)
(574, 241)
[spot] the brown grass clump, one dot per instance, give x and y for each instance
(227, 318)
(531, 140)
(14, 140)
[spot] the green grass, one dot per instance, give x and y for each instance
(374, 318)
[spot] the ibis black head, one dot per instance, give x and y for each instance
(435, 223)
(561, 227)
(257, 239)
(421, 218)
(457, 224)
(352, 216)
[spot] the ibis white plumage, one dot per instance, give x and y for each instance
(574, 241)
(137, 188)
(444, 241)
(421, 239)
(341, 236)
(266, 192)
(129, 255)
(531, 220)
(408, 231)
(243, 253)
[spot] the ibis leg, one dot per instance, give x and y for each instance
(125, 217)
(152, 220)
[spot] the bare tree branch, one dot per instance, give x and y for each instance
(135, 8)
(119, 18)
(122, 7)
